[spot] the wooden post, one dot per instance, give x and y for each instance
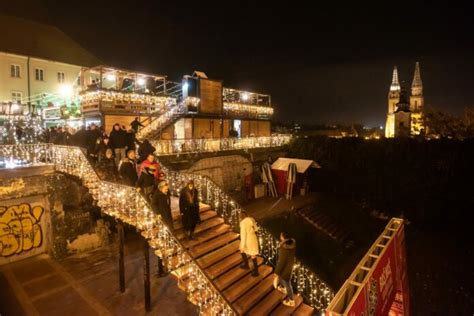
(121, 257)
(146, 275)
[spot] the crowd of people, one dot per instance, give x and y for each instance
(117, 159)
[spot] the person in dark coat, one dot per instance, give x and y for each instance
(284, 267)
(118, 141)
(130, 140)
(80, 137)
(106, 168)
(161, 203)
(144, 150)
(128, 169)
(189, 208)
(146, 182)
(91, 138)
(136, 124)
(101, 145)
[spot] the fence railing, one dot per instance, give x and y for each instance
(196, 145)
(124, 203)
(160, 122)
(315, 291)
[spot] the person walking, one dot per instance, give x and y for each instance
(135, 124)
(106, 168)
(118, 141)
(146, 182)
(161, 203)
(128, 169)
(145, 149)
(248, 242)
(150, 161)
(189, 208)
(284, 268)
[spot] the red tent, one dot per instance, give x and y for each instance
(280, 173)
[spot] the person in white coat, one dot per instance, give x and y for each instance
(248, 242)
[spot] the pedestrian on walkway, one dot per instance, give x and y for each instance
(135, 124)
(248, 242)
(118, 141)
(128, 169)
(161, 203)
(146, 182)
(189, 208)
(284, 268)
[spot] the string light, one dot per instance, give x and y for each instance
(241, 109)
(195, 145)
(125, 203)
(94, 98)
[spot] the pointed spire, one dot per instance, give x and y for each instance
(417, 84)
(395, 86)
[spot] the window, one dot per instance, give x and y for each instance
(16, 97)
(61, 77)
(15, 71)
(39, 74)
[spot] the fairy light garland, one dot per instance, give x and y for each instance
(162, 120)
(317, 293)
(247, 110)
(194, 145)
(125, 203)
(94, 97)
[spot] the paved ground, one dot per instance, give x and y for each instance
(87, 284)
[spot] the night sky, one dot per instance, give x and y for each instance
(322, 63)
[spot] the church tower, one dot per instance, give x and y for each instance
(417, 102)
(393, 99)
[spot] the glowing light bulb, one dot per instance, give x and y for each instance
(141, 81)
(110, 77)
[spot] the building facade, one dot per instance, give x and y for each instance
(405, 115)
(28, 83)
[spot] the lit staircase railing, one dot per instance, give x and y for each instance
(315, 291)
(156, 125)
(126, 204)
(196, 145)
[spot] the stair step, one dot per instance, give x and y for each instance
(304, 310)
(238, 289)
(267, 304)
(283, 310)
(204, 217)
(206, 235)
(252, 297)
(217, 255)
(235, 274)
(201, 227)
(224, 265)
(213, 244)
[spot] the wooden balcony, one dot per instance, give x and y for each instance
(115, 102)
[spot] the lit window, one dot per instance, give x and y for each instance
(15, 71)
(16, 97)
(39, 74)
(60, 77)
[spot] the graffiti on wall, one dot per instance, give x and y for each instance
(20, 228)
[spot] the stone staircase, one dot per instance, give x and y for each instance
(207, 268)
(326, 224)
(216, 251)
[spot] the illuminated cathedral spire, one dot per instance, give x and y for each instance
(417, 85)
(395, 86)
